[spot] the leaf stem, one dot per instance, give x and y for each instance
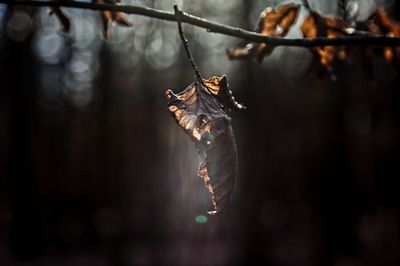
(178, 15)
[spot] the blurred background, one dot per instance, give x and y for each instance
(94, 170)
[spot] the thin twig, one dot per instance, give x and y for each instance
(178, 14)
(306, 4)
(360, 40)
(342, 9)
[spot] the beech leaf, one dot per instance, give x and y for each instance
(271, 23)
(382, 24)
(199, 112)
(108, 17)
(315, 25)
(219, 87)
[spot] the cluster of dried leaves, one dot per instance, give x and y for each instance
(107, 17)
(278, 22)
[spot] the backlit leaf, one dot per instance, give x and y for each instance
(271, 23)
(315, 25)
(382, 24)
(198, 111)
(219, 87)
(108, 17)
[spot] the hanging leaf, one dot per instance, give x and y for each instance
(61, 16)
(272, 22)
(315, 25)
(381, 23)
(111, 16)
(199, 112)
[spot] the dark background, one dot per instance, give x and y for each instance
(94, 170)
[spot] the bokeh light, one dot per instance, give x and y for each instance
(49, 47)
(19, 26)
(201, 219)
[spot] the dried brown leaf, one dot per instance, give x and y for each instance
(315, 25)
(386, 24)
(272, 22)
(108, 17)
(120, 19)
(382, 24)
(219, 87)
(198, 111)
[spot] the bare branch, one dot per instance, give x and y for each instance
(342, 9)
(360, 40)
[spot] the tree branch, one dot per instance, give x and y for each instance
(360, 40)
